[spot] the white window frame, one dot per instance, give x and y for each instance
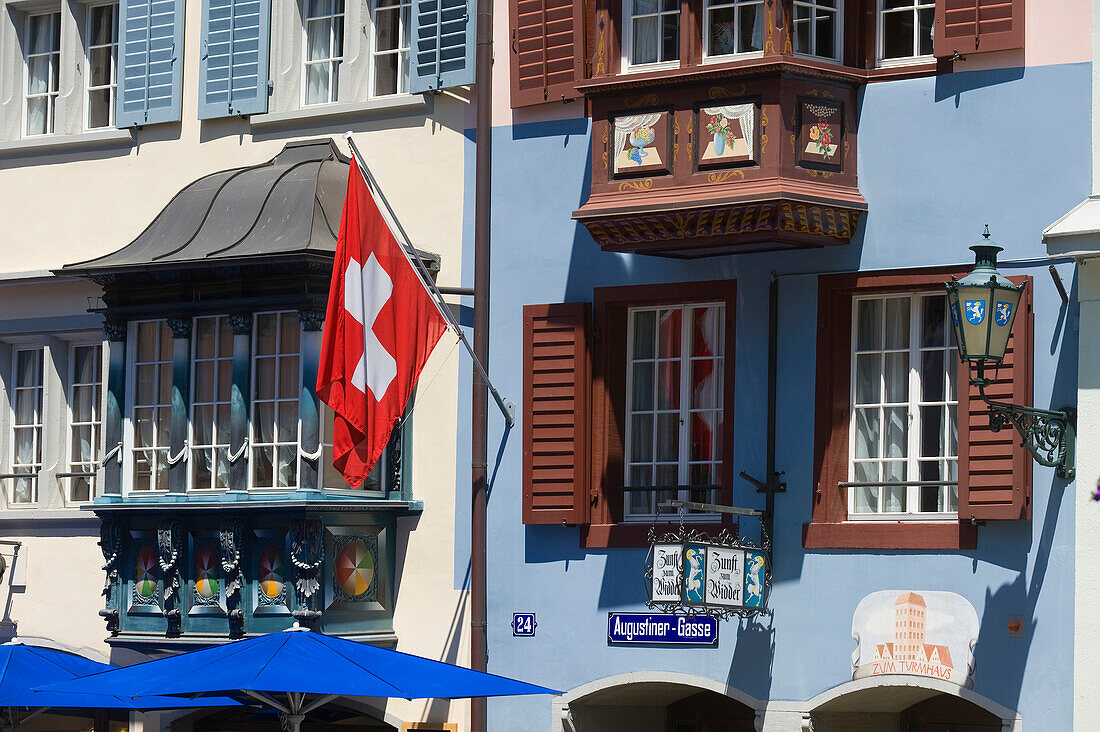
(628, 65)
(253, 428)
(912, 456)
(98, 425)
(403, 8)
(334, 79)
(53, 85)
(38, 426)
(192, 447)
(88, 48)
(129, 436)
(684, 448)
(838, 29)
(710, 58)
(880, 12)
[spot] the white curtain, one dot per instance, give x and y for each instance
(625, 125)
(743, 113)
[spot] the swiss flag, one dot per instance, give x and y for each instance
(380, 328)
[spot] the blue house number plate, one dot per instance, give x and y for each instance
(523, 624)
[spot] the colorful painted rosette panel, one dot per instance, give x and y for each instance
(272, 573)
(146, 574)
(207, 566)
(355, 569)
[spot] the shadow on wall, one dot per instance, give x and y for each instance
(955, 85)
(1000, 661)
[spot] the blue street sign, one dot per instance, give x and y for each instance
(523, 624)
(647, 628)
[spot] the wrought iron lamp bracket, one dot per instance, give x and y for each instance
(1048, 435)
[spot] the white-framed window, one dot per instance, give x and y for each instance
(674, 386)
(332, 480)
(324, 51)
(211, 390)
(905, 31)
(904, 409)
(733, 27)
(651, 36)
(390, 47)
(26, 425)
(276, 382)
(85, 419)
(150, 405)
(817, 28)
(101, 62)
(42, 61)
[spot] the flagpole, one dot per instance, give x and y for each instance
(507, 407)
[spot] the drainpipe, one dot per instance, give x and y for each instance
(480, 398)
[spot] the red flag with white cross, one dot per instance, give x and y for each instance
(380, 328)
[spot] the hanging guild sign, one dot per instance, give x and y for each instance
(717, 578)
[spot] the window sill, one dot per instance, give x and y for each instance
(398, 103)
(48, 143)
(633, 535)
(894, 535)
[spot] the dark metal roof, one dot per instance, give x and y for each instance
(290, 205)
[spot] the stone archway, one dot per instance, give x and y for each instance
(656, 701)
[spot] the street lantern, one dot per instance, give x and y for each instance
(983, 309)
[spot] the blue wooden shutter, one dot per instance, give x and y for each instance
(443, 44)
(150, 78)
(233, 64)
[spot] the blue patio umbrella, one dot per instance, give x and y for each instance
(23, 667)
(298, 665)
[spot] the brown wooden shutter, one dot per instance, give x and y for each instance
(994, 469)
(556, 383)
(547, 50)
(977, 26)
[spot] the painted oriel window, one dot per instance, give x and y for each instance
(324, 44)
(732, 27)
(26, 426)
(654, 31)
(276, 379)
(905, 30)
(102, 63)
(151, 405)
(43, 58)
(390, 50)
(211, 389)
(674, 413)
(904, 408)
(817, 28)
(85, 420)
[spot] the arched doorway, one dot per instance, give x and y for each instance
(657, 702)
(908, 704)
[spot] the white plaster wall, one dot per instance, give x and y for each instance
(63, 207)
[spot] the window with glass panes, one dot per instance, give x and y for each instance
(85, 419)
(904, 442)
(43, 58)
(733, 26)
(390, 50)
(152, 404)
(102, 58)
(324, 44)
(26, 425)
(212, 384)
(331, 478)
(276, 379)
(653, 31)
(817, 27)
(675, 368)
(905, 29)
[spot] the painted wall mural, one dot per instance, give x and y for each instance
(146, 575)
(641, 143)
(915, 633)
(355, 568)
(820, 133)
(727, 134)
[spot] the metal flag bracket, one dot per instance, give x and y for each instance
(507, 407)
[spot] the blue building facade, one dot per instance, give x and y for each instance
(891, 606)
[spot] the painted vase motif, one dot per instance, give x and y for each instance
(639, 138)
(719, 143)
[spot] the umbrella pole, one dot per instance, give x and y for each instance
(292, 718)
